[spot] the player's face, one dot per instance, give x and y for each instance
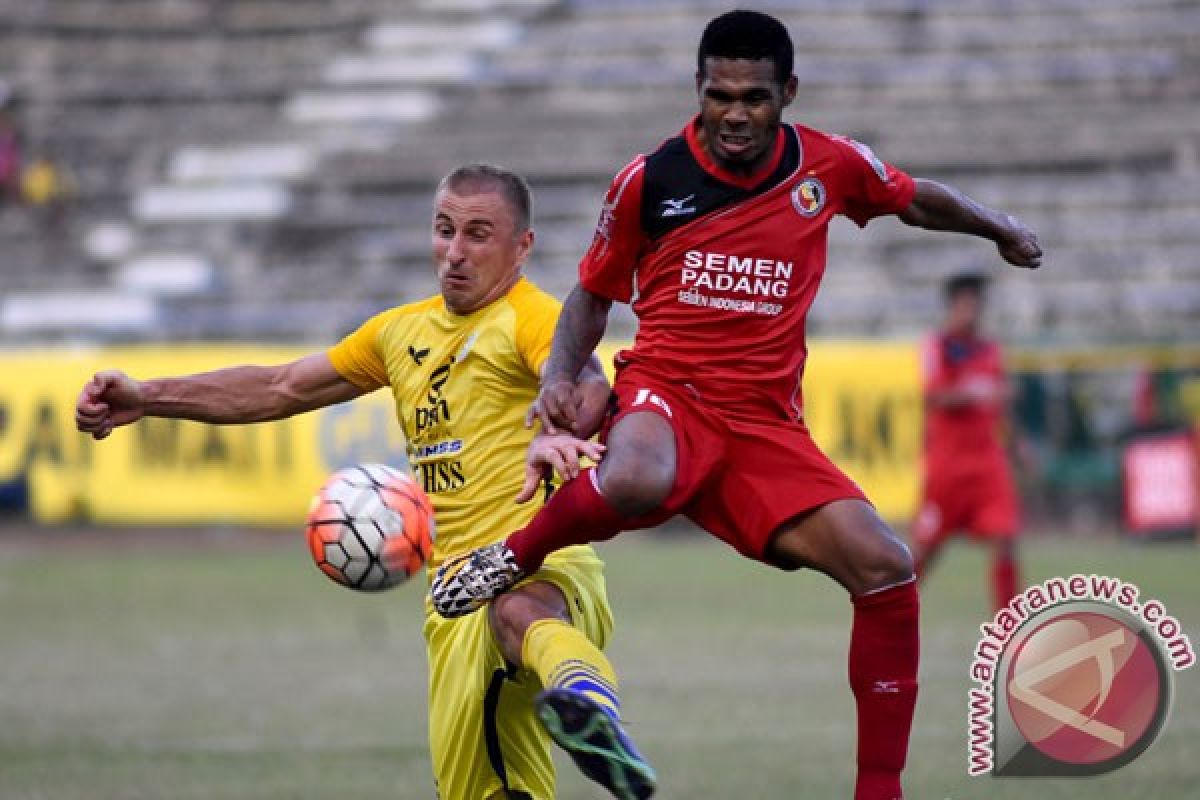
(741, 104)
(477, 249)
(964, 312)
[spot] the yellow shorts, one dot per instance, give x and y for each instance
(485, 741)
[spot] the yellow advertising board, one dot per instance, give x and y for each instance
(861, 401)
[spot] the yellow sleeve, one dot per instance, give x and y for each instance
(537, 314)
(358, 359)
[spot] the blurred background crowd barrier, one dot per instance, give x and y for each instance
(206, 171)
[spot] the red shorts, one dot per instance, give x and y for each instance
(739, 477)
(983, 505)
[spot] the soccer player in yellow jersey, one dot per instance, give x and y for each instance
(463, 367)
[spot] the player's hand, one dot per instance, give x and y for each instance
(556, 406)
(1018, 244)
(559, 452)
(110, 399)
(594, 396)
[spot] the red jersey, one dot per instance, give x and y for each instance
(721, 269)
(966, 438)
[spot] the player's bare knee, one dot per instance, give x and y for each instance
(638, 471)
(507, 628)
(511, 615)
(890, 562)
(636, 484)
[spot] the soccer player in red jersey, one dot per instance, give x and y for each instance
(968, 485)
(718, 240)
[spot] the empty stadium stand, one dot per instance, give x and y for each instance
(262, 168)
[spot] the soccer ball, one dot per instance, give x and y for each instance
(370, 527)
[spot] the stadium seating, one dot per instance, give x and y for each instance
(284, 151)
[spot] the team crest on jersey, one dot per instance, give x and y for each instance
(808, 197)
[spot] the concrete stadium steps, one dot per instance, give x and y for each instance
(209, 202)
(575, 146)
(45, 262)
(202, 67)
(113, 151)
(839, 31)
(981, 75)
(124, 17)
(1078, 115)
(114, 89)
(866, 43)
(1130, 230)
(1019, 306)
(832, 8)
(1135, 132)
(259, 318)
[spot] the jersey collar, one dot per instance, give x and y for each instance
(522, 285)
(724, 175)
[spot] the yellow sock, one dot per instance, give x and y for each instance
(566, 659)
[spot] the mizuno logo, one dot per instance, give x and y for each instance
(418, 355)
(677, 208)
(887, 687)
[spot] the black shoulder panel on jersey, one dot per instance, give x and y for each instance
(677, 190)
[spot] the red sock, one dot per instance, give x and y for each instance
(884, 651)
(575, 514)
(1004, 580)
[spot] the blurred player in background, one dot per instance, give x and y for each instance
(718, 239)
(463, 367)
(968, 484)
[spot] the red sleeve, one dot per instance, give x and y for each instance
(873, 188)
(608, 266)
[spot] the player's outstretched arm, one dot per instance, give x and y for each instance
(581, 324)
(939, 207)
(225, 396)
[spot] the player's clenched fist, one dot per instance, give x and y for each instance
(1019, 246)
(110, 399)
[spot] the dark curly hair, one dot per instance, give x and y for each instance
(750, 35)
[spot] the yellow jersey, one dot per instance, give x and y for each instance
(462, 385)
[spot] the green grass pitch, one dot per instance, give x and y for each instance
(225, 666)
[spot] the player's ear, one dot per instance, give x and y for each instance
(524, 245)
(789, 90)
(700, 84)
